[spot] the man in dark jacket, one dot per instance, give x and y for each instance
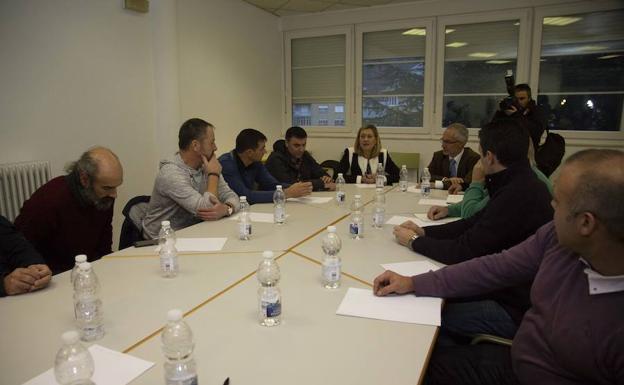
(519, 204)
(22, 268)
(290, 162)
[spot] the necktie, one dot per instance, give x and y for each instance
(368, 168)
(453, 168)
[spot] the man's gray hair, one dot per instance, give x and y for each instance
(600, 187)
(87, 163)
(461, 132)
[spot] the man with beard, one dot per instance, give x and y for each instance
(189, 188)
(72, 214)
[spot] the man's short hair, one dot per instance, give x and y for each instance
(600, 187)
(296, 132)
(461, 132)
(249, 139)
(192, 129)
(523, 87)
(506, 138)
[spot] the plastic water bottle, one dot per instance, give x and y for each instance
(356, 225)
(244, 220)
(177, 346)
(87, 304)
(168, 253)
(330, 269)
(403, 176)
(379, 212)
(425, 185)
(380, 179)
(269, 295)
(279, 205)
(80, 258)
(73, 364)
(340, 193)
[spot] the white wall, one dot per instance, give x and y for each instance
(77, 73)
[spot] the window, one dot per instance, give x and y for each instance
(581, 76)
(318, 66)
(476, 59)
(393, 77)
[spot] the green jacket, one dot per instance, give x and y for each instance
(476, 197)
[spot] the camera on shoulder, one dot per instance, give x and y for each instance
(510, 101)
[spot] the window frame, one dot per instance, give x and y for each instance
(429, 25)
(288, 102)
(523, 57)
(571, 136)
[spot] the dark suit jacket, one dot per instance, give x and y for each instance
(439, 167)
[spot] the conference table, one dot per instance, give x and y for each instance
(217, 291)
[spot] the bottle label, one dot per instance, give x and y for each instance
(403, 185)
(378, 219)
(331, 271)
(279, 215)
(426, 189)
(340, 196)
(244, 230)
(183, 381)
(168, 264)
(271, 308)
(355, 228)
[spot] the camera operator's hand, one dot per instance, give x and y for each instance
(511, 111)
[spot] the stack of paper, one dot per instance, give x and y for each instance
(432, 202)
(454, 198)
(257, 217)
(419, 219)
(198, 244)
(312, 200)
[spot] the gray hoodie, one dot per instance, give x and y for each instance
(179, 190)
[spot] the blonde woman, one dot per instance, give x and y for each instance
(363, 158)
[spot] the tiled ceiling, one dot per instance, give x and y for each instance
(298, 7)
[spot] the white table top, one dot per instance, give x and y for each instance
(219, 291)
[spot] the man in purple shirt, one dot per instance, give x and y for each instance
(574, 331)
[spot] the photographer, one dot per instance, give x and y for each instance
(521, 105)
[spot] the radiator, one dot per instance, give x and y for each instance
(18, 181)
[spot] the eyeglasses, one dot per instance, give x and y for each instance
(448, 141)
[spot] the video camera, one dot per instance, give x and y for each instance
(510, 101)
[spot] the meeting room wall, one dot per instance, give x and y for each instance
(80, 73)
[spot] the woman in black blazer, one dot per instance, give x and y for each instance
(363, 158)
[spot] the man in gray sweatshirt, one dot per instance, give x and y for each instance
(189, 187)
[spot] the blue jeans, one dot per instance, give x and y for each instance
(465, 319)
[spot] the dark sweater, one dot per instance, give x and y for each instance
(15, 251)
(61, 224)
(287, 169)
(350, 168)
(519, 204)
(568, 337)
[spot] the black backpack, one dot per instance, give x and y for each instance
(549, 155)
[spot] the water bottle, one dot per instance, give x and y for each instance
(403, 175)
(244, 220)
(425, 185)
(380, 179)
(177, 347)
(340, 194)
(279, 205)
(269, 296)
(73, 364)
(379, 211)
(330, 269)
(168, 253)
(87, 304)
(356, 225)
(80, 258)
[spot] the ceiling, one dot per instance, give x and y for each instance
(299, 7)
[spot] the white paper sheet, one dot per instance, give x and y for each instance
(402, 308)
(365, 185)
(198, 244)
(257, 217)
(432, 202)
(111, 368)
(428, 222)
(314, 200)
(411, 268)
(397, 220)
(454, 198)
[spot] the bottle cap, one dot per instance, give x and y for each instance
(340, 174)
(403, 166)
(81, 258)
(267, 254)
(70, 337)
(358, 196)
(84, 266)
(165, 223)
(174, 315)
(278, 187)
(331, 229)
(243, 198)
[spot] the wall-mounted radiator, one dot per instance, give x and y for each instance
(18, 181)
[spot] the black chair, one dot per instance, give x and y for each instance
(130, 233)
(332, 165)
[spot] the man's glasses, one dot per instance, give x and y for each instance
(443, 141)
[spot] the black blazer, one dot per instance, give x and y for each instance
(440, 164)
(350, 170)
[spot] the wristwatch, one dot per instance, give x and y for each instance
(230, 210)
(412, 239)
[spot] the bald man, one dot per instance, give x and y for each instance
(72, 214)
